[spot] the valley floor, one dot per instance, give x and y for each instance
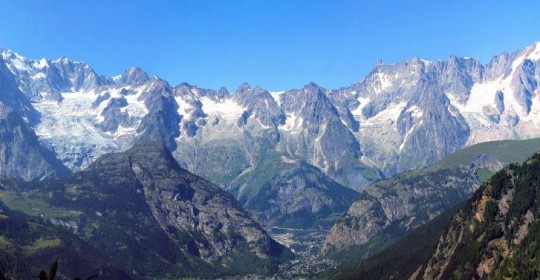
(306, 245)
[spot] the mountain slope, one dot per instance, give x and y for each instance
(142, 210)
(494, 235)
(29, 245)
(288, 193)
(388, 209)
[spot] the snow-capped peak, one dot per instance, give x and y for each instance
(534, 52)
(15, 61)
(62, 59)
(9, 54)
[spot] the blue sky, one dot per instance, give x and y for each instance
(275, 44)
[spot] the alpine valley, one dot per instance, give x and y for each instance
(165, 181)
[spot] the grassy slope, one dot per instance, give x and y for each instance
(507, 151)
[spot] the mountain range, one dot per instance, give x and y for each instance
(295, 159)
(371, 129)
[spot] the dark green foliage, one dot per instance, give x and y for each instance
(525, 264)
(22, 255)
(249, 263)
(462, 265)
(52, 274)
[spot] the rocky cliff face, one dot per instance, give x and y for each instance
(21, 155)
(315, 131)
(389, 208)
(144, 211)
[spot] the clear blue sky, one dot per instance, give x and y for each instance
(275, 44)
